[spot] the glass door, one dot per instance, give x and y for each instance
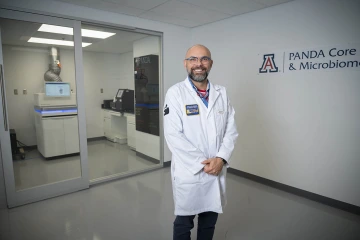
(43, 130)
(122, 84)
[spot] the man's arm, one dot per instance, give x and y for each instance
(190, 156)
(230, 136)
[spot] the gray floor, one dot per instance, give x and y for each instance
(105, 158)
(141, 207)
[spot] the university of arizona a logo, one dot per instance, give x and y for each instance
(268, 64)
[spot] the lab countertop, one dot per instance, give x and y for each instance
(116, 113)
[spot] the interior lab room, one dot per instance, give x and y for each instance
(43, 110)
(82, 89)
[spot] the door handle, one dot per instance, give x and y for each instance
(3, 97)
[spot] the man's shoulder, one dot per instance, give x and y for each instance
(219, 87)
(176, 88)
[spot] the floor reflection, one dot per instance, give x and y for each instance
(105, 158)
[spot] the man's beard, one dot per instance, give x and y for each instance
(197, 77)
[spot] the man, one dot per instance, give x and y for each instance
(200, 131)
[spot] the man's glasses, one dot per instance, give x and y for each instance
(203, 60)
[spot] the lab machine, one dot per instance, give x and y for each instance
(146, 70)
(123, 101)
(56, 120)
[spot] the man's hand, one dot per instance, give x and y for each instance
(213, 166)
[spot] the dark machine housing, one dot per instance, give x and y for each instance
(124, 101)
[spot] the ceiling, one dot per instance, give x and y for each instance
(17, 33)
(187, 13)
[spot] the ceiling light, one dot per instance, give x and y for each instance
(96, 34)
(55, 29)
(55, 42)
(69, 31)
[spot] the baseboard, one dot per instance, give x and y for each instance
(32, 147)
(153, 160)
(299, 192)
(96, 139)
(63, 156)
(29, 148)
(296, 191)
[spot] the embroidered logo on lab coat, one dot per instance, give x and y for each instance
(192, 109)
(166, 110)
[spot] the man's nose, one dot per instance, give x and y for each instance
(198, 62)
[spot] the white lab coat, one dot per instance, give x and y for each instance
(195, 138)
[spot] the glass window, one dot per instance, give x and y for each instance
(40, 85)
(121, 76)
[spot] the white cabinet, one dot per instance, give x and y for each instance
(131, 136)
(131, 131)
(53, 140)
(71, 131)
(148, 144)
(56, 124)
(107, 125)
(118, 127)
(57, 135)
(115, 126)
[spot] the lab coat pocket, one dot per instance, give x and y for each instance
(184, 176)
(220, 118)
(189, 196)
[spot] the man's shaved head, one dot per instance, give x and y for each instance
(196, 48)
(198, 69)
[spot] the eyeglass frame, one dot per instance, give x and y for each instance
(196, 59)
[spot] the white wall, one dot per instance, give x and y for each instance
(299, 129)
(107, 71)
(146, 46)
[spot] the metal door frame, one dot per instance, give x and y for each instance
(17, 198)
